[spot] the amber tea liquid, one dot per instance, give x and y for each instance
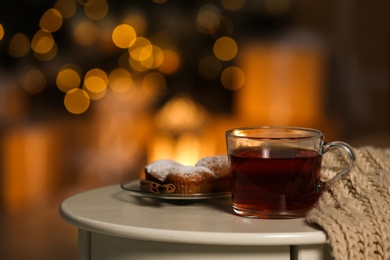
(278, 179)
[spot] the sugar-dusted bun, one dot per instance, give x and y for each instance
(158, 171)
(192, 179)
(219, 165)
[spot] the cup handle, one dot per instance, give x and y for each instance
(341, 145)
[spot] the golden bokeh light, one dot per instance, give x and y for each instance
(42, 42)
(225, 48)
(51, 20)
(141, 49)
(66, 8)
(120, 80)
(232, 78)
(95, 95)
(181, 114)
(122, 85)
(48, 55)
(86, 33)
(96, 9)
(157, 57)
(210, 67)
(154, 84)
(141, 55)
(76, 101)
(1, 31)
(233, 5)
(170, 63)
(150, 57)
(124, 36)
(68, 78)
(137, 65)
(96, 80)
(32, 80)
(19, 45)
(208, 19)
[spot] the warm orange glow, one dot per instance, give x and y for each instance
(181, 133)
(68, 78)
(232, 78)
(42, 42)
(225, 48)
(121, 84)
(95, 95)
(141, 49)
(19, 45)
(51, 20)
(124, 36)
(1, 31)
(47, 56)
(181, 114)
(26, 166)
(170, 63)
(283, 84)
(76, 101)
(96, 80)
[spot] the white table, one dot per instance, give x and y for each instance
(113, 224)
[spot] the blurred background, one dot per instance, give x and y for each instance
(92, 90)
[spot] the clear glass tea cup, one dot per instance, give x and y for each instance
(276, 170)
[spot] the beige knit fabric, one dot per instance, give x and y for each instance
(355, 211)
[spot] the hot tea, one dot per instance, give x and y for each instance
(274, 179)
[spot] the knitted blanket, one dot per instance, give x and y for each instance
(355, 211)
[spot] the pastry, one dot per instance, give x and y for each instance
(192, 179)
(219, 165)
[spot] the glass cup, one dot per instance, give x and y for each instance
(275, 171)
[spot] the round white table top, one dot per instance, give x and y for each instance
(113, 211)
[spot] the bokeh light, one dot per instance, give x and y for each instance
(68, 78)
(76, 101)
(124, 36)
(1, 31)
(19, 45)
(51, 20)
(225, 48)
(47, 56)
(232, 78)
(42, 42)
(96, 9)
(208, 19)
(122, 85)
(181, 114)
(96, 81)
(170, 63)
(66, 8)
(32, 80)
